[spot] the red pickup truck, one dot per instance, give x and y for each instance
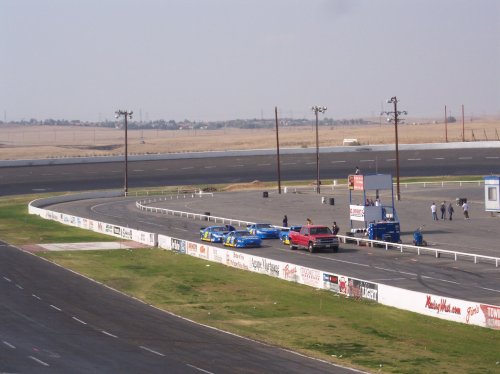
(314, 237)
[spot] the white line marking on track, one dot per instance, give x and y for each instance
(263, 164)
(138, 170)
(465, 158)
(36, 297)
(489, 289)
(7, 279)
(210, 167)
(492, 157)
(39, 361)
(109, 334)
(152, 351)
(19, 286)
(390, 159)
(438, 158)
(187, 167)
(441, 280)
(388, 279)
(366, 160)
(414, 159)
(180, 228)
(336, 162)
(79, 320)
(310, 163)
(289, 163)
(236, 166)
(200, 369)
(162, 169)
(54, 307)
(8, 344)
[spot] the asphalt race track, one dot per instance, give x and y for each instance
(443, 276)
(78, 177)
(55, 321)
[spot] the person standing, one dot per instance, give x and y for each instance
(465, 207)
(309, 222)
(335, 228)
(443, 210)
(450, 211)
(357, 171)
(434, 212)
(285, 221)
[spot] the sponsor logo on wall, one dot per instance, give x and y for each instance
(192, 249)
(265, 266)
(441, 305)
(363, 290)
(126, 233)
(178, 245)
(331, 282)
(311, 277)
(290, 273)
(236, 260)
(491, 315)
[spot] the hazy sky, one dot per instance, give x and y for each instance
(227, 59)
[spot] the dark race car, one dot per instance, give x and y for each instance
(264, 230)
(215, 234)
(242, 239)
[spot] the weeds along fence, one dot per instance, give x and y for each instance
(301, 188)
(403, 248)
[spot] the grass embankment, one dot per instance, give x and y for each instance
(18, 227)
(317, 323)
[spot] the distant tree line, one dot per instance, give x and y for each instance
(187, 124)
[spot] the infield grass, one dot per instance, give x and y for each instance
(315, 322)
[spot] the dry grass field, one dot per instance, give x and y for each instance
(31, 142)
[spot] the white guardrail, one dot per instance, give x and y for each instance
(462, 311)
(437, 252)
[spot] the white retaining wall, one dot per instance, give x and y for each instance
(456, 310)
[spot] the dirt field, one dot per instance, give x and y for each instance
(30, 142)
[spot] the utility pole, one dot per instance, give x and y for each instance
(393, 117)
(125, 114)
(445, 125)
(278, 149)
(318, 109)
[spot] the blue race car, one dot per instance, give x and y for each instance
(215, 234)
(242, 239)
(285, 233)
(264, 230)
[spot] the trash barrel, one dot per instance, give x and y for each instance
(265, 194)
(331, 201)
(207, 216)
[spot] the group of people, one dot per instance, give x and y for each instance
(444, 209)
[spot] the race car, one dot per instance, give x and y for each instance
(285, 233)
(242, 239)
(264, 230)
(215, 234)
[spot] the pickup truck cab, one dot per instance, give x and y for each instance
(313, 237)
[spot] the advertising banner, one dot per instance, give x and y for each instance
(237, 260)
(217, 255)
(331, 282)
(355, 182)
(365, 213)
(290, 272)
(178, 245)
(363, 289)
(265, 266)
(311, 277)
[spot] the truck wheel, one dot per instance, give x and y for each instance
(292, 247)
(310, 248)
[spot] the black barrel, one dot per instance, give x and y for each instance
(265, 194)
(331, 201)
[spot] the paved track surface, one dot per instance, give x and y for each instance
(29, 179)
(443, 276)
(55, 321)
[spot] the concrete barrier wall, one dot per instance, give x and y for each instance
(456, 310)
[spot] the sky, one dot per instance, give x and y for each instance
(210, 60)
